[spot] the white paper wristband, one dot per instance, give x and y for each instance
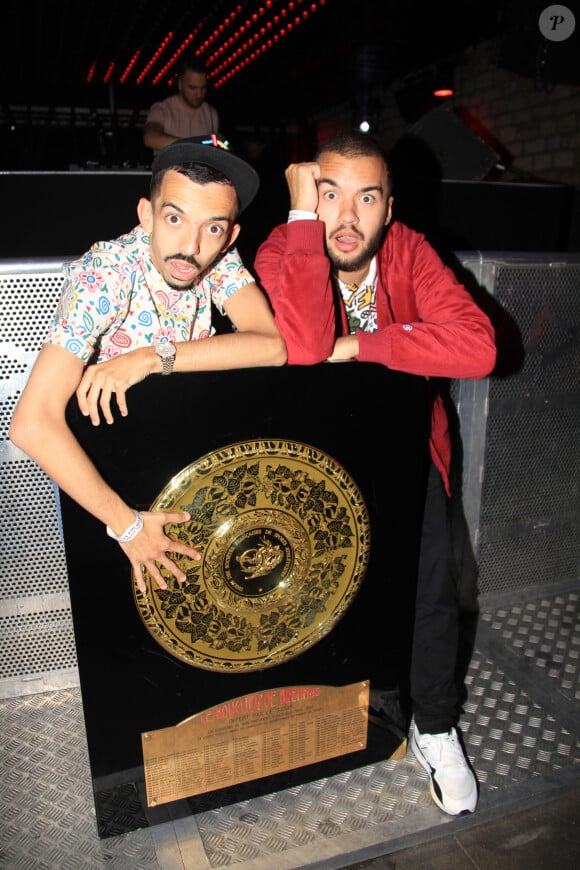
(129, 533)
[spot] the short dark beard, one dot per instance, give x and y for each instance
(341, 265)
(181, 288)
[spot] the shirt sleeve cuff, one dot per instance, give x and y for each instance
(297, 214)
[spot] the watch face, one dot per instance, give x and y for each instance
(165, 349)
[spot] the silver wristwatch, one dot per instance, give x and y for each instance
(166, 350)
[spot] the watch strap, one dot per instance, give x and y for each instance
(166, 351)
(167, 364)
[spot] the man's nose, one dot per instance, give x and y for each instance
(348, 212)
(190, 241)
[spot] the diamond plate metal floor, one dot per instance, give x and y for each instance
(521, 724)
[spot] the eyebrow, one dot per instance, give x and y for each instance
(367, 189)
(168, 204)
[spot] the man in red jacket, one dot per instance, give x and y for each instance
(400, 306)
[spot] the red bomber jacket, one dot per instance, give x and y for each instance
(428, 324)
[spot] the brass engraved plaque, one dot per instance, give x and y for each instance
(252, 736)
(284, 535)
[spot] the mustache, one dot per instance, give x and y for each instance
(186, 258)
(352, 230)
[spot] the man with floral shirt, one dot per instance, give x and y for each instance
(140, 305)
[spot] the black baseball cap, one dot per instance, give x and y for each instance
(212, 150)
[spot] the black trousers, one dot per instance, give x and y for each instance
(435, 636)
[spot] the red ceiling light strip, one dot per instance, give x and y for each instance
(253, 23)
(229, 19)
(268, 34)
(91, 72)
(177, 54)
(109, 73)
(263, 29)
(155, 57)
(130, 66)
(247, 25)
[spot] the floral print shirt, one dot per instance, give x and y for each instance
(114, 300)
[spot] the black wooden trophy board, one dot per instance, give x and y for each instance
(372, 421)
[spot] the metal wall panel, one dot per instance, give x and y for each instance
(37, 647)
(520, 429)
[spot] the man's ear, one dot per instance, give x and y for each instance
(233, 236)
(145, 214)
(389, 211)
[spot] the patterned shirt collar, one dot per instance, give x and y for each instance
(371, 276)
(360, 302)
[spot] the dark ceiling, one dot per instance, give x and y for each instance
(333, 52)
(339, 49)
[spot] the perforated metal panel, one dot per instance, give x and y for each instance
(521, 432)
(37, 650)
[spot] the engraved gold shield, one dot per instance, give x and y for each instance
(284, 537)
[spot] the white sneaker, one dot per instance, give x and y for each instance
(453, 786)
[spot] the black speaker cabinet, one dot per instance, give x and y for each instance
(372, 421)
(520, 428)
(460, 151)
(113, 196)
